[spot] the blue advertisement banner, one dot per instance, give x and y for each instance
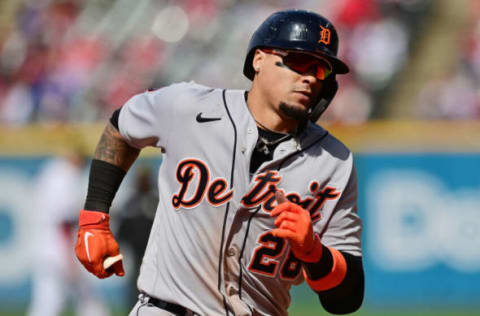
(421, 235)
(421, 238)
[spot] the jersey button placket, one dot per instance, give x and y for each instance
(250, 139)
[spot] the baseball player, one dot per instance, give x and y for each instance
(253, 196)
(58, 279)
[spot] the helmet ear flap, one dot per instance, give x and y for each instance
(329, 90)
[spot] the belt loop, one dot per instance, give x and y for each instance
(143, 298)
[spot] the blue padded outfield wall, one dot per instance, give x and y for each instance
(421, 236)
(421, 217)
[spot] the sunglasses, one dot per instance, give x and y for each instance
(303, 62)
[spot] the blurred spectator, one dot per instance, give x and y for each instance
(57, 275)
(452, 97)
(135, 224)
(78, 60)
(456, 95)
(383, 51)
(352, 105)
(18, 105)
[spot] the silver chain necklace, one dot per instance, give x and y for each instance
(263, 143)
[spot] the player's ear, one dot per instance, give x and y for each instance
(258, 59)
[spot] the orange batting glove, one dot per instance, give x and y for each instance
(95, 243)
(295, 224)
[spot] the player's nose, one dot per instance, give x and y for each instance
(310, 76)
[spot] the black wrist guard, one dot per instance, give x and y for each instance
(317, 270)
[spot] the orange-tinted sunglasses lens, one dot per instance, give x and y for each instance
(304, 62)
(301, 62)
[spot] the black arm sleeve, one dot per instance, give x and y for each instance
(103, 184)
(347, 297)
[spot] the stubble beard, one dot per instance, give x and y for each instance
(293, 112)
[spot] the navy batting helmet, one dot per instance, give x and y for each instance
(301, 31)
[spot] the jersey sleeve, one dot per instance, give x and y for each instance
(146, 119)
(344, 228)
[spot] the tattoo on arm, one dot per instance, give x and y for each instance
(113, 149)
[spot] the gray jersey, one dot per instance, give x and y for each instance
(210, 248)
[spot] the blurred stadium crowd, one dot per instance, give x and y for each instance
(77, 60)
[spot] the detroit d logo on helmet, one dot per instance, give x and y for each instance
(324, 35)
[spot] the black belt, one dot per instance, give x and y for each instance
(173, 308)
